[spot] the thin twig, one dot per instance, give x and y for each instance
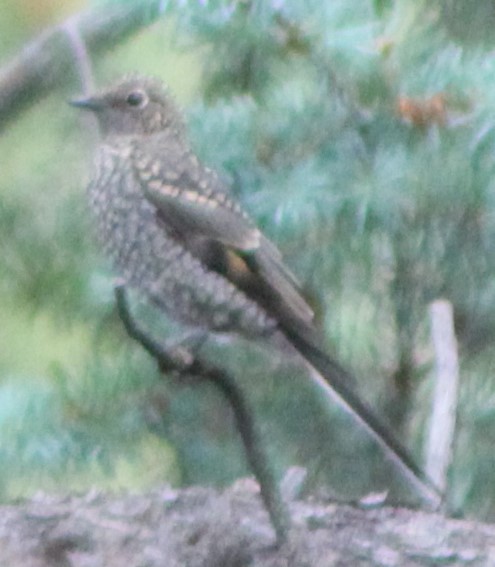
(46, 63)
(199, 367)
(82, 64)
(255, 451)
(81, 56)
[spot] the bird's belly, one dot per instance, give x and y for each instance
(158, 265)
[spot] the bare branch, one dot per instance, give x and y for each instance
(198, 367)
(442, 425)
(48, 61)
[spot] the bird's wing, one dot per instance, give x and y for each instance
(194, 203)
(213, 216)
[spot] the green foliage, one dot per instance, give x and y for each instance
(61, 433)
(361, 136)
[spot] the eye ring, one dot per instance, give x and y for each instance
(137, 99)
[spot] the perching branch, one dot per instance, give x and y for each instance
(194, 365)
(48, 61)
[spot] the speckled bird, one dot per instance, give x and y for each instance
(174, 232)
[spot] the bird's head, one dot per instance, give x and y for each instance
(135, 105)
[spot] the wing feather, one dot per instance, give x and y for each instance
(196, 206)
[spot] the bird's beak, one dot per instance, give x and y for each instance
(89, 103)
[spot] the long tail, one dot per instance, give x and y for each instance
(331, 377)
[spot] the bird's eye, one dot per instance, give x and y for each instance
(136, 99)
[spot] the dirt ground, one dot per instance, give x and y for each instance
(203, 527)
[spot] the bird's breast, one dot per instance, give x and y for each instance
(126, 224)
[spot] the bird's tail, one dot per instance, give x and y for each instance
(334, 381)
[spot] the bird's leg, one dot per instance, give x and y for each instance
(187, 345)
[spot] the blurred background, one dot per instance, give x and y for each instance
(361, 135)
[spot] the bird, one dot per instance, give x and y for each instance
(174, 231)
